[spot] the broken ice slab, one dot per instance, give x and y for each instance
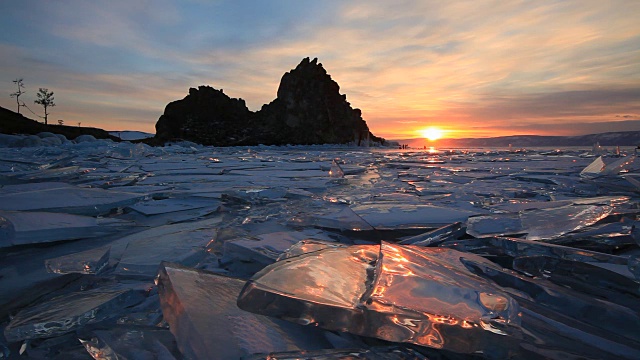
(634, 266)
(519, 247)
(598, 167)
(20, 188)
(201, 310)
(183, 244)
(51, 348)
(622, 164)
(343, 218)
(608, 237)
(72, 200)
(308, 246)
(254, 195)
(594, 169)
(247, 256)
(85, 262)
(373, 353)
(130, 343)
(435, 237)
(336, 171)
(20, 228)
(69, 312)
(155, 207)
(581, 276)
(600, 318)
(45, 175)
(424, 296)
(400, 215)
(538, 223)
(513, 206)
(631, 178)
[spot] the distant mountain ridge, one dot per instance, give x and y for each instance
(621, 138)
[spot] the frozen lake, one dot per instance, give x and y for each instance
(116, 250)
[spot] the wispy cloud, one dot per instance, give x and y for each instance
(407, 64)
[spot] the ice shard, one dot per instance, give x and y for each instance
(538, 223)
(594, 169)
(21, 227)
(248, 256)
(435, 237)
(621, 164)
(336, 171)
(373, 353)
(581, 276)
(399, 216)
(201, 310)
(597, 322)
(144, 254)
(69, 312)
(604, 238)
(156, 207)
(308, 246)
(418, 295)
(130, 343)
(342, 219)
(521, 247)
(72, 200)
(86, 262)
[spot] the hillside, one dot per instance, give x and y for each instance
(13, 123)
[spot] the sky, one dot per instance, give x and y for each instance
(471, 68)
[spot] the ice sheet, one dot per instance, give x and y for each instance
(144, 254)
(155, 207)
(85, 262)
(72, 200)
(393, 216)
(20, 228)
(271, 197)
(538, 223)
(69, 312)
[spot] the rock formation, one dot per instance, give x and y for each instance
(309, 109)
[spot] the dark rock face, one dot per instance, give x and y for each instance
(309, 109)
(206, 116)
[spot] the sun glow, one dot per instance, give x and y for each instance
(432, 133)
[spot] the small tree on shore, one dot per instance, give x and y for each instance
(17, 94)
(45, 98)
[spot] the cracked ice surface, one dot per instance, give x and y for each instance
(84, 228)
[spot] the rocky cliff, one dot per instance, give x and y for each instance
(309, 109)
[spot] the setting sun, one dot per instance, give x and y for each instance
(432, 133)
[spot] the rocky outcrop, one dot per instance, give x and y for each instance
(309, 109)
(206, 116)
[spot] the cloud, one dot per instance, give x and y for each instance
(406, 64)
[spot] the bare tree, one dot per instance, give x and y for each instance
(17, 94)
(45, 98)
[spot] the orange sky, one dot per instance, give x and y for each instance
(475, 69)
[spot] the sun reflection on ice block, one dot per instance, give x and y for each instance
(424, 296)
